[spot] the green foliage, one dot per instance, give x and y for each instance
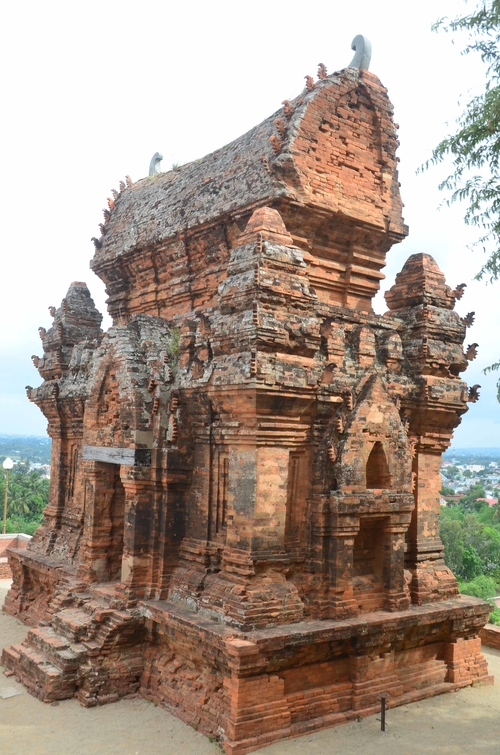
(20, 524)
(36, 449)
(469, 500)
(495, 616)
(452, 472)
(173, 348)
(174, 342)
(475, 145)
(470, 531)
(472, 564)
(485, 588)
(447, 491)
(480, 587)
(27, 496)
(451, 535)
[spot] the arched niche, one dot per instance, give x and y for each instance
(377, 469)
(374, 452)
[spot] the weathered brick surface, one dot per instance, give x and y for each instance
(243, 518)
(6, 542)
(490, 636)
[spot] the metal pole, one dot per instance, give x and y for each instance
(5, 502)
(383, 698)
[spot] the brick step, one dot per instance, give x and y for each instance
(264, 724)
(43, 678)
(10, 657)
(390, 680)
(319, 692)
(424, 675)
(80, 598)
(74, 624)
(105, 594)
(431, 676)
(421, 694)
(114, 620)
(63, 653)
(255, 712)
(304, 710)
(333, 698)
(310, 712)
(418, 668)
(370, 695)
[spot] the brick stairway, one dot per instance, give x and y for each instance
(90, 650)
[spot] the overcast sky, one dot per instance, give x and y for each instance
(90, 91)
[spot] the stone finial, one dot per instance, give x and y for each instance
(280, 127)
(275, 144)
(268, 223)
(363, 53)
(154, 165)
(471, 352)
(468, 320)
(111, 204)
(473, 394)
(420, 283)
(96, 242)
(459, 290)
(322, 72)
(287, 108)
(52, 311)
(129, 181)
(122, 186)
(309, 83)
(265, 162)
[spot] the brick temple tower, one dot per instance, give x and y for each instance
(243, 518)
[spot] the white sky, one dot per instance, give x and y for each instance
(91, 91)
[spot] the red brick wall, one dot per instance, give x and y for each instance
(490, 636)
(8, 541)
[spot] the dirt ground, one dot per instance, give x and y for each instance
(464, 722)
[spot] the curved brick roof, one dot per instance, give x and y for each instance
(335, 151)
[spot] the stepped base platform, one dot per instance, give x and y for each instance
(262, 686)
(249, 689)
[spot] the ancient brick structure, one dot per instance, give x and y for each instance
(245, 475)
(10, 541)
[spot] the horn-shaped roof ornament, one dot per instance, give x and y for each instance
(154, 165)
(363, 54)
